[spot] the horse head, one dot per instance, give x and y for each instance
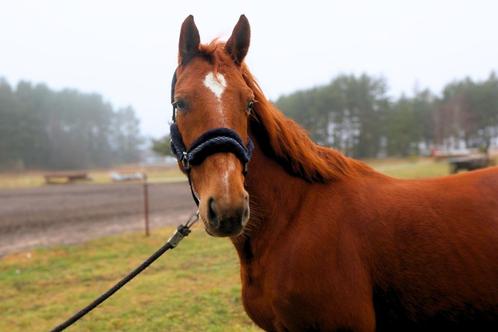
(210, 136)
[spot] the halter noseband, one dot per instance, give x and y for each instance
(211, 142)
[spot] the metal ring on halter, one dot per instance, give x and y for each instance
(184, 161)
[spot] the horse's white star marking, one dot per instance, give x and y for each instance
(216, 84)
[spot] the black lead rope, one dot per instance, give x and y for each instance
(181, 232)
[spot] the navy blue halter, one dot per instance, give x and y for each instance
(213, 141)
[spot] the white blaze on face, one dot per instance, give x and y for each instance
(216, 84)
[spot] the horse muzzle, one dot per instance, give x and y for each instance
(222, 218)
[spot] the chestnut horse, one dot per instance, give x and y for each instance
(329, 243)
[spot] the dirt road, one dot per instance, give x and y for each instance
(74, 213)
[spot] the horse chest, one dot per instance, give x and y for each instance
(269, 305)
(282, 292)
(275, 310)
(256, 298)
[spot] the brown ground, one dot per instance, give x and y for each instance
(61, 214)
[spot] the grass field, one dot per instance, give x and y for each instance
(194, 288)
(415, 168)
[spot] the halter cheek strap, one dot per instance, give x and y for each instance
(213, 141)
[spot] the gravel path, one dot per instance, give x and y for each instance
(62, 214)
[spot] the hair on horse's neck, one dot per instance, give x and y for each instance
(282, 139)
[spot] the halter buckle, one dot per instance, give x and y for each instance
(184, 161)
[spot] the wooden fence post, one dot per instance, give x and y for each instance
(146, 205)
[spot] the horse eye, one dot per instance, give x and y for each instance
(179, 105)
(250, 106)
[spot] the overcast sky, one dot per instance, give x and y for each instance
(127, 50)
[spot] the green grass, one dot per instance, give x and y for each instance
(195, 287)
(411, 168)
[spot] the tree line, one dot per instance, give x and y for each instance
(355, 115)
(45, 129)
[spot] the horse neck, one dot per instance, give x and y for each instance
(274, 195)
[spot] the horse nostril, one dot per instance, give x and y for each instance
(212, 216)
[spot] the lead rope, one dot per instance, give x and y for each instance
(181, 232)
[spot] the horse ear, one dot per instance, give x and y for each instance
(238, 43)
(189, 40)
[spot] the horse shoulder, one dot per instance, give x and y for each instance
(319, 279)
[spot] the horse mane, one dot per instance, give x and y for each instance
(282, 139)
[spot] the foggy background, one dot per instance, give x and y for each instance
(126, 50)
(86, 84)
